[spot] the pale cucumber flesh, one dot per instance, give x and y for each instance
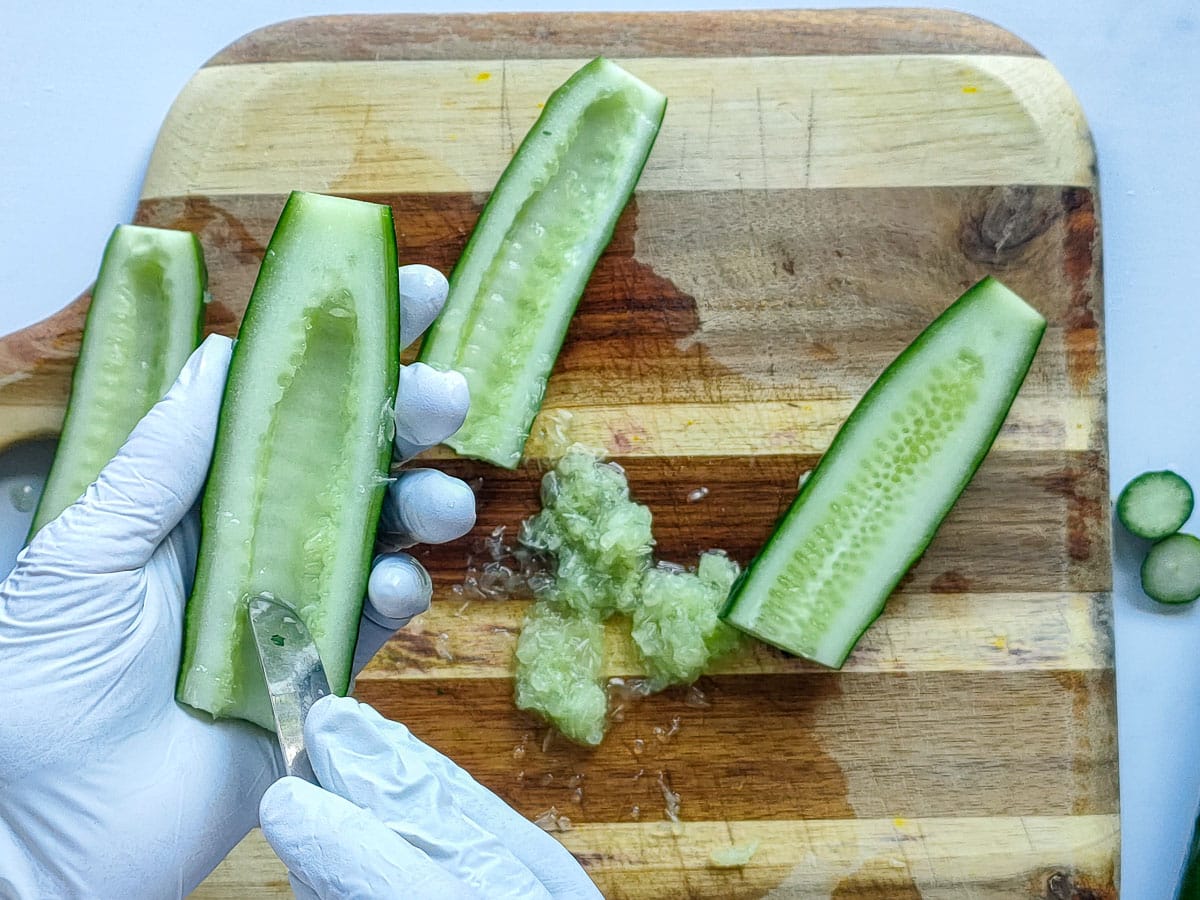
(1155, 504)
(599, 543)
(888, 479)
(1171, 570)
(144, 321)
(520, 277)
(302, 451)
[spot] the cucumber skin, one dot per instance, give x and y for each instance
(863, 408)
(455, 442)
(339, 685)
(1189, 881)
(79, 373)
(1126, 497)
(1147, 562)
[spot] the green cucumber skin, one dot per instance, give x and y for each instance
(1189, 881)
(69, 477)
(1129, 500)
(438, 337)
(1153, 585)
(247, 699)
(862, 411)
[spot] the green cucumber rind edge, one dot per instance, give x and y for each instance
(1124, 498)
(191, 627)
(1173, 600)
(583, 72)
(862, 408)
(78, 374)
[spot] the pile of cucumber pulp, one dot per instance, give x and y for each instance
(311, 390)
(603, 570)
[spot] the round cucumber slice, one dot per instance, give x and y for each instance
(1171, 570)
(1155, 504)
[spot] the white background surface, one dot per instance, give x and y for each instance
(82, 94)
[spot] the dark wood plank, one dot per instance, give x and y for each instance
(1027, 522)
(794, 746)
(692, 304)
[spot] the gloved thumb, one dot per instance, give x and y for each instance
(151, 483)
(334, 849)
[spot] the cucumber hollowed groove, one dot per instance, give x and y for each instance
(836, 555)
(302, 450)
(890, 476)
(143, 323)
(524, 268)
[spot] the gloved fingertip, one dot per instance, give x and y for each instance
(324, 716)
(217, 348)
(423, 291)
(431, 405)
(339, 721)
(281, 804)
(398, 589)
(429, 507)
(208, 362)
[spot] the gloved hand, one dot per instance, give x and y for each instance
(108, 786)
(398, 819)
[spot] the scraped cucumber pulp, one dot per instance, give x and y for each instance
(559, 656)
(892, 473)
(676, 626)
(524, 268)
(1171, 570)
(144, 321)
(302, 451)
(599, 538)
(1155, 504)
(600, 544)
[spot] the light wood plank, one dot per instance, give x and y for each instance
(463, 638)
(758, 123)
(893, 858)
(768, 428)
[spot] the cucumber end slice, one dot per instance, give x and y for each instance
(1155, 504)
(1171, 570)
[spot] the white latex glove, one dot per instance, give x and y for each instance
(108, 786)
(398, 819)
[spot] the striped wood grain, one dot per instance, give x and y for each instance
(897, 858)
(825, 183)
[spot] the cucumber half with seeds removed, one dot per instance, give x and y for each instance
(302, 451)
(144, 321)
(888, 479)
(520, 277)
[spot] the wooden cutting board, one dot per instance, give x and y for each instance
(825, 183)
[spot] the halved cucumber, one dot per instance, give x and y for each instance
(524, 268)
(888, 479)
(302, 451)
(144, 321)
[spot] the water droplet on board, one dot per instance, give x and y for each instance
(23, 496)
